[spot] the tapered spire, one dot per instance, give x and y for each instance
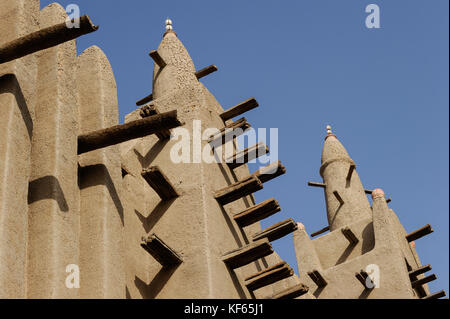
(174, 68)
(345, 196)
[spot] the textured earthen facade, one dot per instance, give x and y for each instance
(139, 225)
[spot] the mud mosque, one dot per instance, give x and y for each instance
(78, 188)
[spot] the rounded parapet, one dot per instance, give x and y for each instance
(378, 193)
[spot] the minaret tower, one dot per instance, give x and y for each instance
(344, 194)
(367, 253)
(192, 224)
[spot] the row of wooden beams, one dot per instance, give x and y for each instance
(157, 58)
(151, 110)
(257, 213)
(160, 183)
(206, 71)
(44, 39)
(239, 109)
(238, 190)
(243, 157)
(318, 279)
(269, 276)
(270, 172)
(277, 231)
(292, 292)
(417, 234)
(436, 295)
(419, 282)
(165, 255)
(230, 132)
(128, 131)
(248, 254)
(353, 240)
(145, 100)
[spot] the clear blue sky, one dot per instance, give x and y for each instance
(311, 63)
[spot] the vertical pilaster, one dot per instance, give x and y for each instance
(17, 85)
(54, 195)
(101, 242)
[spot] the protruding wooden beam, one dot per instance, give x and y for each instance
(206, 71)
(419, 271)
(238, 190)
(242, 157)
(160, 183)
(436, 295)
(322, 185)
(417, 234)
(128, 131)
(320, 232)
(256, 213)
(125, 171)
(248, 254)
(350, 236)
(239, 109)
(362, 278)
(314, 184)
(292, 293)
(145, 100)
(419, 282)
(269, 276)
(44, 39)
(270, 172)
(165, 255)
(350, 172)
(230, 131)
(151, 110)
(338, 197)
(318, 279)
(277, 231)
(158, 59)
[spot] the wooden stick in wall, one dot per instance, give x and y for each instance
(239, 109)
(128, 131)
(44, 39)
(248, 254)
(206, 71)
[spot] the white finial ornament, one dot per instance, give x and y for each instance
(169, 25)
(329, 131)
